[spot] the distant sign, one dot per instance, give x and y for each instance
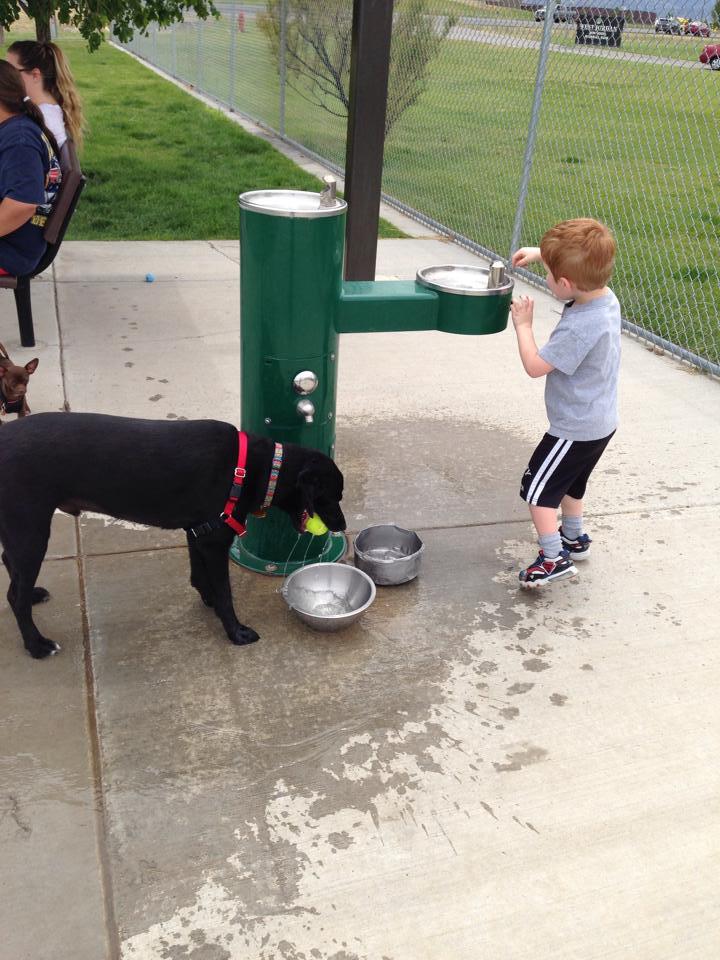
(599, 31)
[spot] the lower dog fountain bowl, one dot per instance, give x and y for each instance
(328, 596)
(388, 554)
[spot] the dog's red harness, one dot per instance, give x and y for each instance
(236, 489)
(226, 517)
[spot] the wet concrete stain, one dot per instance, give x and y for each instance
(518, 688)
(525, 757)
(510, 712)
(486, 806)
(535, 665)
(558, 699)
(307, 753)
(12, 811)
(340, 841)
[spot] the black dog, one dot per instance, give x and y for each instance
(171, 474)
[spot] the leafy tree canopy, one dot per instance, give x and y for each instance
(92, 17)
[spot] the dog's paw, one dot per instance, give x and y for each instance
(43, 648)
(243, 635)
(39, 595)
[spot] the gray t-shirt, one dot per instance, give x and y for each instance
(584, 348)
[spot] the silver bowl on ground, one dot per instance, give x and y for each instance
(328, 596)
(388, 554)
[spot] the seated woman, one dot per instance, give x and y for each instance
(29, 175)
(50, 85)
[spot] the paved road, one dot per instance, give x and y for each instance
(477, 35)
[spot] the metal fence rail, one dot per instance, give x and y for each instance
(501, 124)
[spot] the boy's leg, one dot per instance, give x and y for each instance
(546, 525)
(542, 487)
(574, 538)
(571, 527)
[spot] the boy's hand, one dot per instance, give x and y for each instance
(526, 255)
(522, 312)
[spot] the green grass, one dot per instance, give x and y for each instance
(160, 165)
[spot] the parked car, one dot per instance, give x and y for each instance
(711, 56)
(668, 25)
(562, 14)
(697, 28)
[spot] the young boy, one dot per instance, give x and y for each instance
(580, 362)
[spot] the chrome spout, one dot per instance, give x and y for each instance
(328, 193)
(306, 409)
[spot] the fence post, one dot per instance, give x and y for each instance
(199, 57)
(233, 51)
(283, 66)
(173, 51)
(534, 120)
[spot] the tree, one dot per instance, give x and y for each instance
(92, 19)
(716, 16)
(318, 38)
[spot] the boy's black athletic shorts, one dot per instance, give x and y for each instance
(559, 467)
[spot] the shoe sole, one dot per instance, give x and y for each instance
(577, 556)
(534, 584)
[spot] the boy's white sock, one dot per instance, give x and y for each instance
(550, 544)
(572, 527)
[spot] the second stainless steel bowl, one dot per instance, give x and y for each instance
(388, 554)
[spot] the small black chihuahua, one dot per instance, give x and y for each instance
(170, 474)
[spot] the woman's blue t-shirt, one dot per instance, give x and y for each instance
(25, 160)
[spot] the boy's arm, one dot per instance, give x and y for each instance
(522, 318)
(525, 256)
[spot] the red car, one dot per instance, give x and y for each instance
(711, 55)
(697, 28)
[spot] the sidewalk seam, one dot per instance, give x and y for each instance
(99, 808)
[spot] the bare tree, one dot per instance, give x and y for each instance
(318, 36)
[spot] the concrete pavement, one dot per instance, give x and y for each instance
(470, 772)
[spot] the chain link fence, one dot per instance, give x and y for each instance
(503, 121)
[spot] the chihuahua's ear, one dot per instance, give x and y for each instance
(32, 366)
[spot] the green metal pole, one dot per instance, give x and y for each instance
(290, 282)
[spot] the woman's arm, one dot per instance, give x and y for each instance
(13, 214)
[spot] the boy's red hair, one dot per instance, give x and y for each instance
(582, 251)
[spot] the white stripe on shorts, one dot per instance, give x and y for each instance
(547, 467)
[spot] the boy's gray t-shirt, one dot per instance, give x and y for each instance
(584, 348)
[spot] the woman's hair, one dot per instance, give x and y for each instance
(15, 100)
(582, 251)
(57, 79)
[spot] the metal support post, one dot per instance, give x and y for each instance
(534, 121)
(369, 69)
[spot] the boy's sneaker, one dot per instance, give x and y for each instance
(578, 549)
(545, 570)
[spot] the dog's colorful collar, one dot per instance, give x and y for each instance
(274, 473)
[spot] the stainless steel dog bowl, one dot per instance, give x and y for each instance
(388, 553)
(328, 596)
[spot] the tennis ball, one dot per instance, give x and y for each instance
(149, 277)
(315, 526)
